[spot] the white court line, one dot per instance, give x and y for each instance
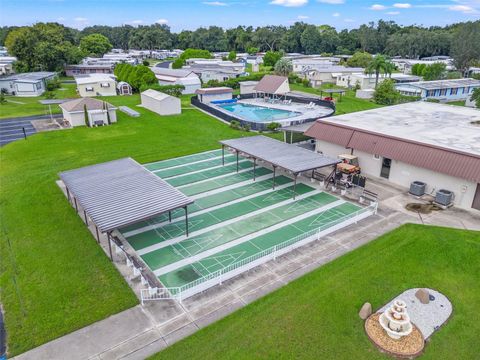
(240, 171)
(203, 211)
(192, 163)
(228, 245)
(202, 170)
(166, 243)
(180, 157)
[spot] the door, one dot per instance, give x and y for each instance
(386, 165)
(476, 199)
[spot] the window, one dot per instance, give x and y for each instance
(430, 93)
(105, 85)
(38, 86)
(443, 92)
(89, 88)
(454, 91)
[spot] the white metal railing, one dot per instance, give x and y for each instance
(268, 254)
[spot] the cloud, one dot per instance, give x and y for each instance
(289, 3)
(335, 2)
(336, 14)
(136, 22)
(161, 21)
(377, 7)
(215, 3)
(393, 12)
(462, 8)
(303, 17)
(402, 5)
(61, 18)
(80, 19)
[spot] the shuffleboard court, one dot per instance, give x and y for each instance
(204, 220)
(223, 259)
(219, 236)
(195, 189)
(207, 174)
(212, 200)
(183, 160)
(196, 166)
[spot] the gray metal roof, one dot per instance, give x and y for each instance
(121, 192)
(286, 156)
(444, 84)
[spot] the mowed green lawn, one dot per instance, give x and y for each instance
(26, 106)
(316, 316)
(54, 278)
(348, 104)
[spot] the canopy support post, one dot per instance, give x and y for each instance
(274, 167)
(98, 235)
(294, 185)
(254, 165)
(109, 246)
(169, 216)
(237, 161)
(223, 155)
(68, 195)
(186, 221)
(76, 205)
(85, 216)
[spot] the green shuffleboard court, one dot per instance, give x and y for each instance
(223, 259)
(219, 215)
(232, 219)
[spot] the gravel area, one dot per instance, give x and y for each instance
(427, 317)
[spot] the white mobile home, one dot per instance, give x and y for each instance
(442, 90)
(187, 78)
(27, 84)
(96, 85)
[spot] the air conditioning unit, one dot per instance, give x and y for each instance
(444, 197)
(417, 188)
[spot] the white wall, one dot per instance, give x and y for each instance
(98, 90)
(403, 174)
(78, 118)
(206, 98)
(168, 106)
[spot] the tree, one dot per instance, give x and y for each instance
(271, 57)
(232, 56)
(476, 97)
(189, 54)
(311, 40)
(252, 50)
(435, 71)
(360, 59)
(268, 37)
(379, 65)
(385, 93)
(95, 45)
(283, 67)
(418, 69)
(466, 45)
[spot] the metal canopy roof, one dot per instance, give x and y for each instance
(286, 156)
(121, 192)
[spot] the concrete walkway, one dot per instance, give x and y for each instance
(144, 330)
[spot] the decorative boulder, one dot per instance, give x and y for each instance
(365, 311)
(423, 295)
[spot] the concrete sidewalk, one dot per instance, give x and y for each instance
(144, 330)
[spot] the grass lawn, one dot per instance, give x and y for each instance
(316, 316)
(54, 278)
(26, 106)
(348, 104)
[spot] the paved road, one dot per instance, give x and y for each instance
(12, 129)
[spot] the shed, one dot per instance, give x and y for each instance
(160, 103)
(247, 87)
(208, 95)
(124, 88)
(96, 85)
(74, 112)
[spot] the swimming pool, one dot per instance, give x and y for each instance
(258, 114)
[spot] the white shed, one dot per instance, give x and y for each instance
(124, 88)
(207, 95)
(160, 103)
(97, 114)
(247, 87)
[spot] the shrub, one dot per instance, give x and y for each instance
(146, 63)
(3, 100)
(293, 78)
(386, 94)
(271, 57)
(273, 126)
(306, 83)
(49, 95)
(246, 127)
(234, 124)
(53, 84)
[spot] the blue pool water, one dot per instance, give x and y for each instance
(258, 113)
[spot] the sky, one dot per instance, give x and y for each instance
(191, 14)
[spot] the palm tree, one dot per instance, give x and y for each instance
(379, 64)
(283, 67)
